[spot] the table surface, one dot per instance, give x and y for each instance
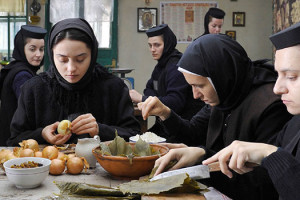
(96, 176)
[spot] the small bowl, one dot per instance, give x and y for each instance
(27, 177)
(120, 166)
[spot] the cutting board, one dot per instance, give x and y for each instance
(182, 196)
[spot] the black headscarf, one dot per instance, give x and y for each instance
(170, 42)
(84, 26)
(26, 31)
(20, 61)
(226, 63)
(215, 13)
(73, 97)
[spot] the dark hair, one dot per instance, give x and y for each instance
(73, 34)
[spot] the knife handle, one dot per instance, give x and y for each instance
(215, 166)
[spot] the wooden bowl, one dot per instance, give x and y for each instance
(121, 167)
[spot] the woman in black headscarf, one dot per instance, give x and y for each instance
(28, 57)
(213, 21)
(243, 107)
(75, 88)
(166, 82)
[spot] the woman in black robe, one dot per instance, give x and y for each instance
(28, 55)
(166, 82)
(241, 106)
(281, 160)
(75, 88)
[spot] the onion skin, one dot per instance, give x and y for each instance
(3, 154)
(38, 154)
(57, 167)
(30, 144)
(75, 165)
(62, 156)
(26, 153)
(50, 152)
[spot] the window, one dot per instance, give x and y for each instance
(98, 13)
(10, 24)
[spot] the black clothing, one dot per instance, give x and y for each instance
(283, 165)
(9, 99)
(49, 98)
(108, 101)
(248, 110)
(168, 84)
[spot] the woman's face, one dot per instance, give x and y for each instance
(72, 59)
(34, 51)
(215, 26)
(156, 46)
(202, 89)
(287, 64)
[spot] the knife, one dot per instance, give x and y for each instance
(194, 172)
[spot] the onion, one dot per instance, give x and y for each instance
(62, 156)
(10, 156)
(57, 167)
(38, 154)
(75, 165)
(64, 127)
(26, 153)
(30, 144)
(3, 154)
(50, 152)
(69, 156)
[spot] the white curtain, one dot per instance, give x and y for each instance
(99, 13)
(98, 10)
(14, 7)
(60, 10)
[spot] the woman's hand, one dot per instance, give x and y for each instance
(48, 133)
(85, 123)
(135, 96)
(153, 106)
(187, 156)
(238, 153)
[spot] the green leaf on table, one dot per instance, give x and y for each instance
(119, 147)
(172, 184)
(142, 148)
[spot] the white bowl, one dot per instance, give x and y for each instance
(27, 177)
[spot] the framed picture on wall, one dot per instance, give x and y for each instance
(231, 34)
(146, 18)
(238, 18)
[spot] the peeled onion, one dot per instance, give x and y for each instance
(26, 153)
(57, 167)
(75, 165)
(64, 127)
(30, 144)
(50, 152)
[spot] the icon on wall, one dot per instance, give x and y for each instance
(147, 18)
(238, 18)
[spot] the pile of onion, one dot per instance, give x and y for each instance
(50, 152)
(30, 144)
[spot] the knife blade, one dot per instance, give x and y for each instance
(194, 172)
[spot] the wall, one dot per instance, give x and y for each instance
(133, 48)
